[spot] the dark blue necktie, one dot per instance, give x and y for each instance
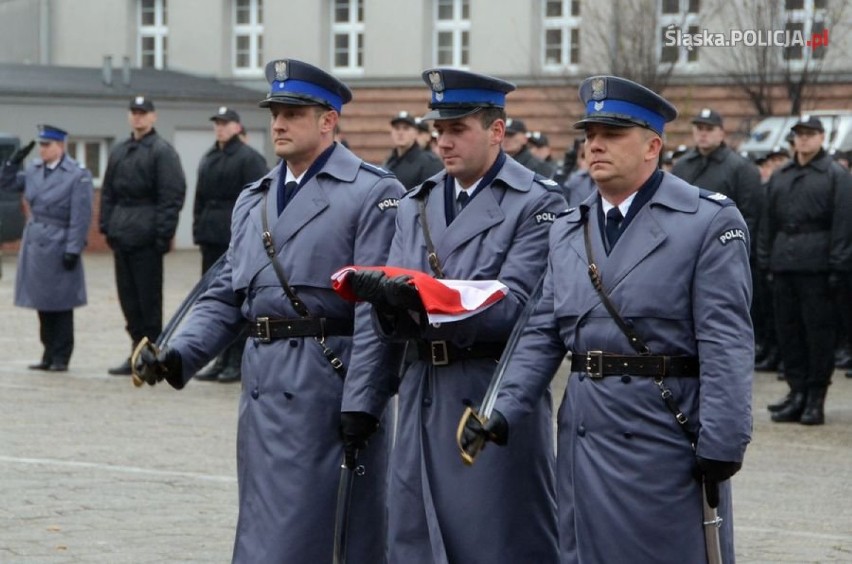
(285, 195)
(462, 200)
(613, 223)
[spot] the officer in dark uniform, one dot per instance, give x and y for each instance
(515, 145)
(539, 146)
(320, 209)
(228, 167)
(50, 277)
(424, 134)
(407, 160)
(805, 243)
(671, 265)
(141, 198)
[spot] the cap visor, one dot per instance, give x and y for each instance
(291, 101)
(704, 121)
(617, 122)
(450, 113)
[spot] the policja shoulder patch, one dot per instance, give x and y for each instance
(387, 203)
(545, 217)
(732, 234)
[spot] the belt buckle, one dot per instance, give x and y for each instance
(440, 355)
(590, 355)
(261, 325)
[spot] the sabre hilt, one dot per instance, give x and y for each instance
(137, 378)
(471, 450)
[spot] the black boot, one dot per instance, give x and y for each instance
(793, 411)
(212, 371)
(122, 369)
(780, 404)
(814, 413)
(769, 362)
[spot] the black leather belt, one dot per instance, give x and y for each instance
(441, 353)
(266, 329)
(598, 364)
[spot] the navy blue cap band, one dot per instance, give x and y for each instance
(292, 86)
(618, 108)
(51, 134)
(468, 96)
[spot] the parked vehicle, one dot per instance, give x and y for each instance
(11, 213)
(772, 132)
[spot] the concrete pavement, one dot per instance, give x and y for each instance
(94, 470)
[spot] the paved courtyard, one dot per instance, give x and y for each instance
(94, 470)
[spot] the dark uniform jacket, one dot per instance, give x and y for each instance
(728, 173)
(222, 175)
(807, 220)
(143, 192)
(414, 166)
(526, 158)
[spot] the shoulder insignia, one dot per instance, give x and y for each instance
(566, 212)
(545, 217)
(387, 203)
(549, 184)
(732, 234)
(376, 169)
(716, 197)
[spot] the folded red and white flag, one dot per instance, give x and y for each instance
(444, 300)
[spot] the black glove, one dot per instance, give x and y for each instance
(496, 430)
(711, 472)
(19, 155)
(163, 245)
(355, 428)
(70, 260)
(368, 285)
(400, 294)
(153, 368)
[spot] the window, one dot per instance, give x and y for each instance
(153, 34)
(91, 153)
(248, 37)
(347, 32)
(452, 33)
(682, 14)
(805, 19)
(561, 34)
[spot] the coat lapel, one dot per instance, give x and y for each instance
(309, 201)
(482, 213)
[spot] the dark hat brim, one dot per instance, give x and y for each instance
(450, 113)
(223, 118)
(409, 121)
(818, 128)
(300, 100)
(608, 120)
(706, 121)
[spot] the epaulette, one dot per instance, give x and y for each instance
(565, 212)
(716, 197)
(377, 170)
(548, 184)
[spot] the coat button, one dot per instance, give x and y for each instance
(628, 435)
(255, 393)
(294, 343)
(626, 378)
(427, 401)
(581, 431)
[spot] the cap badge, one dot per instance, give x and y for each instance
(223, 110)
(139, 100)
(599, 106)
(436, 81)
(598, 89)
(280, 70)
(705, 113)
(806, 117)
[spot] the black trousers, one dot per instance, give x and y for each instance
(805, 323)
(762, 311)
(233, 355)
(139, 278)
(843, 297)
(56, 330)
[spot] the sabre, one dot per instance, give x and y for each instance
(341, 514)
(183, 309)
(487, 407)
(712, 522)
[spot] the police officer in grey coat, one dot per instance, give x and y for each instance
(228, 167)
(485, 218)
(805, 244)
(408, 161)
(320, 209)
(673, 262)
(141, 198)
(50, 276)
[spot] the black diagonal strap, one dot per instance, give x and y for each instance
(594, 274)
(431, 255)
(298, 305)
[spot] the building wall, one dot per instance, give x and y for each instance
(20, 31)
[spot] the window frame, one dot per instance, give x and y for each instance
(458, 28)
(158, 32)
(75, 148)
(254, 31)
(353, 29)
(569, 26)
(687, 19)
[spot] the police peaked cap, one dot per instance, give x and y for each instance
(51, 133)
(457, 93)
(301, 84)
(612, 100)
(404, 117)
